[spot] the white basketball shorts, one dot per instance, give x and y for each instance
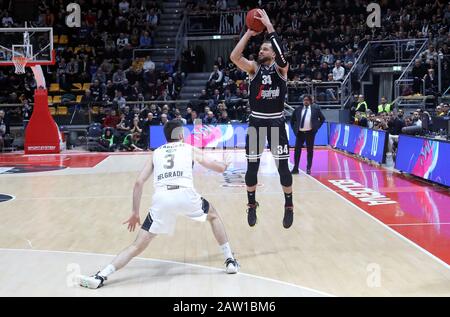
(168, 204)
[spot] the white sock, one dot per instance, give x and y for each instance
(226, 251)
(110, 269)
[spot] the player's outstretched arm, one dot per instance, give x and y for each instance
(236, 55)
(280, 59)
(214, 165)
(137, 194)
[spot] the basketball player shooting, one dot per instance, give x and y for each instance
(268, 89)
(174, 195)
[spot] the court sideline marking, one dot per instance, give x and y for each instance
(177, 263)
(148, 196)
(380, 222)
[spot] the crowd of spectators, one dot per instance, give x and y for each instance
(225, 93)
(214, 6)
(425, 72)
(316, 35)
(322, 40)
(100, 52)
(396, 122)
(129, 127)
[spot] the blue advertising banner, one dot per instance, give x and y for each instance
(223, 135)
(365, 142)
(321, 136)
(424, 158)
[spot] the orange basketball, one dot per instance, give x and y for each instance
(252, 23)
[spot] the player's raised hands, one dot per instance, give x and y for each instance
(264, 18)
(253, 33)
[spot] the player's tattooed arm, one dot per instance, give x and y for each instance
(280, 59)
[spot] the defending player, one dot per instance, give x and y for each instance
(174, 195)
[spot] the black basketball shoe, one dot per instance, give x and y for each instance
(251, 214)
(288, 216)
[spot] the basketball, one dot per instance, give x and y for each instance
(252, 23)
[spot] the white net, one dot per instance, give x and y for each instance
(19, 63)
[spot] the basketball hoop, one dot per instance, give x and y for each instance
(19, 63)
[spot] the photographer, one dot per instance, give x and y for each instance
(413, 124)
(108, 140)
(380, 124)
(130, 143)
(361, 120)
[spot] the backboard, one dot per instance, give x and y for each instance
(36, 44)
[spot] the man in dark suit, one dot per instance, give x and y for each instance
(305, 122)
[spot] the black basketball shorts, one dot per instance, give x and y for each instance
(264, 133)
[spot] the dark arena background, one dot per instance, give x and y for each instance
(87, 87)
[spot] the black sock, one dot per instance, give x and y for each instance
(251, 197)
(288, 199)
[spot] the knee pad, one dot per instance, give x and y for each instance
(285, 173)
(251, 179)
(251, 176)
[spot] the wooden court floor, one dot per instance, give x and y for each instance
(68, 220)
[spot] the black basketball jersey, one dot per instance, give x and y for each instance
(267, 93)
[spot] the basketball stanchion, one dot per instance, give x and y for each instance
(33, 47)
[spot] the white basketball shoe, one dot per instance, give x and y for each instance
(231, 266)
(92, 282)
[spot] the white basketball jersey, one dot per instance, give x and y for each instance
(172, 164)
